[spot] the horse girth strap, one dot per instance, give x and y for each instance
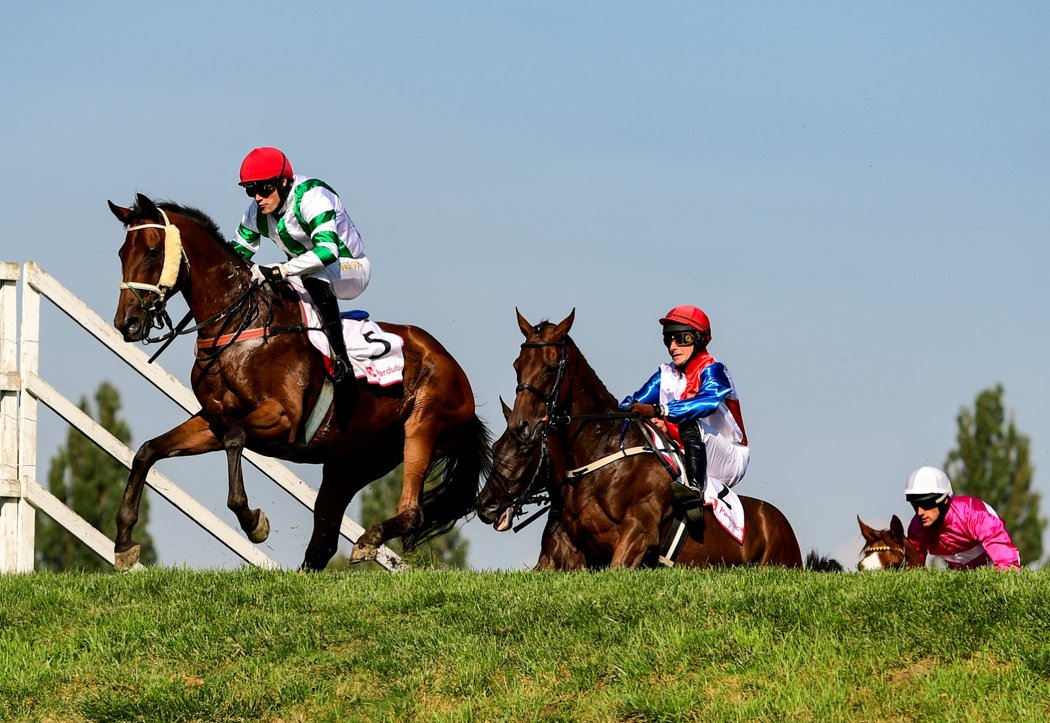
(607, 459)
(264, 332)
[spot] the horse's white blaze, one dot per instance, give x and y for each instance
(871, 562)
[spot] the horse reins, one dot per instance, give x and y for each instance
(156, 311)
(550, 423)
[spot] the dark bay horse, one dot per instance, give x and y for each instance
(617, 515)
(257, 392)
(887, 549)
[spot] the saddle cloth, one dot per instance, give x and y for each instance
(377, 356)
(724, 502)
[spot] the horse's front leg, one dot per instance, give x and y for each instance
(557, 550)
(269, 423)
(253, 522)
(639, 538)
(339, 483)
(193, 436)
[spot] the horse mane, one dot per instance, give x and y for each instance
(600, 388)
(193, 214)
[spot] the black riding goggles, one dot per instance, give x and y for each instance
(681, 338)
(261, 188)
(926, 502)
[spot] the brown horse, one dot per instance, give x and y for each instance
(887, 549)
(260, 377)
(617, 515)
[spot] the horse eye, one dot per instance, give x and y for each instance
(153, 252)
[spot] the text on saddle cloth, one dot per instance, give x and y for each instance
(377, 356)
(724, 502)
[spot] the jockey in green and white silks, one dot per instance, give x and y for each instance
(308, 222)
(314, 230)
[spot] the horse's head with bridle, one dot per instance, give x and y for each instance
(887, 549)
(170, 249)
(152, 261)
(522, 455)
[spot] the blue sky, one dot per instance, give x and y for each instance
(856, 193)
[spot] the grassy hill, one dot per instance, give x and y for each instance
(661, 645)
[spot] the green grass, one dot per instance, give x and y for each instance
(667, 645)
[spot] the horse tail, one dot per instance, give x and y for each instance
(815, 563)
(452, 484)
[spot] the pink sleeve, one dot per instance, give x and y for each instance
(991, 533)
(914, 536)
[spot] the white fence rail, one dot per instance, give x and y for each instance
(22, 389)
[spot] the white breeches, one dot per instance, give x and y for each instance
(726, 462)
(348, 277)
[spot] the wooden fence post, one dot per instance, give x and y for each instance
(17, 517)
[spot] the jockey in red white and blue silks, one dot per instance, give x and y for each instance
(704, 392)
(971, 535)
(696, 392)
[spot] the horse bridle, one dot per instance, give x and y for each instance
(546, 426)
(886, 547)
(174, 255)
(549, 424)
(156, 310)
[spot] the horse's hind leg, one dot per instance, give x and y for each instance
(193, 436)
(418, 450)
(253, 522)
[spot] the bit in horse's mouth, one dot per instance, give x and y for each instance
(505, 520)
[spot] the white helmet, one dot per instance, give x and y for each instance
(928, 482)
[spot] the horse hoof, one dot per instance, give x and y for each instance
(124, 561)
(262, 529)
(363, 553)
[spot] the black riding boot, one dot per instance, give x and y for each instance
(695, 454)
(328, 306)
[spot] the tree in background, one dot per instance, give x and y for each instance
(91, 483)
(991, 462)
(379, 501)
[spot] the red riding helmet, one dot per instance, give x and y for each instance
(689, 316)
(265, 163)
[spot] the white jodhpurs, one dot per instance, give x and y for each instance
(726, 462)
(348, 277)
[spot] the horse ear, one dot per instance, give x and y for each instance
(566, 323)
(523, 324)
(506, 410)
(122, 214)
(897, 528)
(144, 203)
(869, 533)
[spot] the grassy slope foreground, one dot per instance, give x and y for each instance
(177, 645)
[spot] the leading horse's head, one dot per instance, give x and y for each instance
(152, 262)
(887, 549)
